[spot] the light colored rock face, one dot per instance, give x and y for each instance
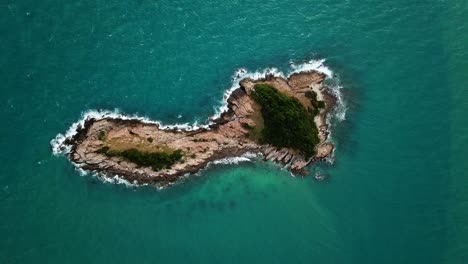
(229, 136)
(198, 147)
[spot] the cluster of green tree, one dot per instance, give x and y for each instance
(102, 135)
(155, 160)
(286, 122)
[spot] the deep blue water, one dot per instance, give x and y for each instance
(399, 186)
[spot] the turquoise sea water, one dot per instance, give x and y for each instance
(399, 187)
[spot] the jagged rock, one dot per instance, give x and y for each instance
(281, 155)
(267, 151)
(271, 155)
(298, 164)
(287, 158)
(324, 150)
(226, 136)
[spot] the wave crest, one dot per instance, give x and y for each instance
(60, 147)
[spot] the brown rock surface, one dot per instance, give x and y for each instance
(228, 136)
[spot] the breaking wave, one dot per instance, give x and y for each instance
(339, 112)
(236, 160)
(59, 145)
(114, 179)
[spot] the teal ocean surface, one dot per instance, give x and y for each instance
(398, 191)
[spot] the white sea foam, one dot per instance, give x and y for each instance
(232, 160)
(60, 147)
(117, 179)
(246, 157)
(337, 115)
(312, 65)
(114, 179)
(340, 110)
(58, 143)
(236, 160)
(80, 170)
(242, 73)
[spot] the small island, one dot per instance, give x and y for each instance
(283, 119)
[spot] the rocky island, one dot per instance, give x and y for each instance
(283, 119)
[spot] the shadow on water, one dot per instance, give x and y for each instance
(226, 189)
(220, 206)
(202, 204)
(232, 204)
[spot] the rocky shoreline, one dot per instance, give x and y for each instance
(230, 135)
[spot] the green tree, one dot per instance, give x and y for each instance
(287, 122)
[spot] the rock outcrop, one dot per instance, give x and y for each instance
(227, 136)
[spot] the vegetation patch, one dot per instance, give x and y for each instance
(155, 160)
(286, 122)
(247, 126)
(102, 135)
(103, 150)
